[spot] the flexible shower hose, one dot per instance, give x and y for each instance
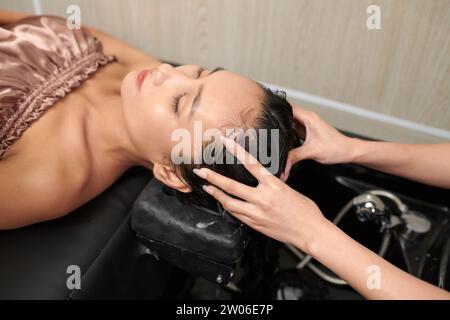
(306, 259)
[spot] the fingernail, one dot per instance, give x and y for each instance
(208, 189)
(200, 173)
(287, 169)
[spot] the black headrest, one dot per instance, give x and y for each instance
(183, 233)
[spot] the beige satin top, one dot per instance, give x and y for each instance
(41, 60)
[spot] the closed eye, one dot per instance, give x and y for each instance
(175, 102)
(200, 71)
(177, 98)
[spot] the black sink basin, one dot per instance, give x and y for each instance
(333, 186)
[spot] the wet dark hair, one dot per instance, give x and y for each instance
(276, 114)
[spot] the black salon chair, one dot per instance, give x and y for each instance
(98, 239)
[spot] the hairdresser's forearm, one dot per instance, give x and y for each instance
(355, 264)
(428, 164)
(7, 17)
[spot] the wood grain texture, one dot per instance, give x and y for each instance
(25, 6)
(317, 46)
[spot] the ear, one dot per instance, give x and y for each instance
(166, 175)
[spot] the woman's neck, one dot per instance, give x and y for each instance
(107, 135)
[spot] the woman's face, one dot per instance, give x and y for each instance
(171, 98)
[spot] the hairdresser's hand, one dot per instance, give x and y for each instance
(272, 208)
(323, 143)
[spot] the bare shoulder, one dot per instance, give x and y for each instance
(40, 184)
(32, 192)
(7, 16)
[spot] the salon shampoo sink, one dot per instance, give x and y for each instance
(423, 255)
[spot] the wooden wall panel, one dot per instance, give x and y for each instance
(320, 47)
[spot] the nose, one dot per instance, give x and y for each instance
(165, 72)
(165, 67)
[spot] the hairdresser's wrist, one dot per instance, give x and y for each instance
(356, 149)
(326, 235)
(343, 150)
(309, 241)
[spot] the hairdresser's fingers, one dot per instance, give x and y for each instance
(229, 203)
(295, 155)
(248, 160)
(285, 174)
(228, 185)
(300, 116)
(307, 122)
(298, 154)
(245, 219)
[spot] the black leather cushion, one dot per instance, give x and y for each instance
(96, 236)
(195, 239)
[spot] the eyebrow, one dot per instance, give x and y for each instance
(198, 95)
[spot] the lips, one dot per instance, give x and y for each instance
(141, 77)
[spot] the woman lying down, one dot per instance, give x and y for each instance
(78, 108)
